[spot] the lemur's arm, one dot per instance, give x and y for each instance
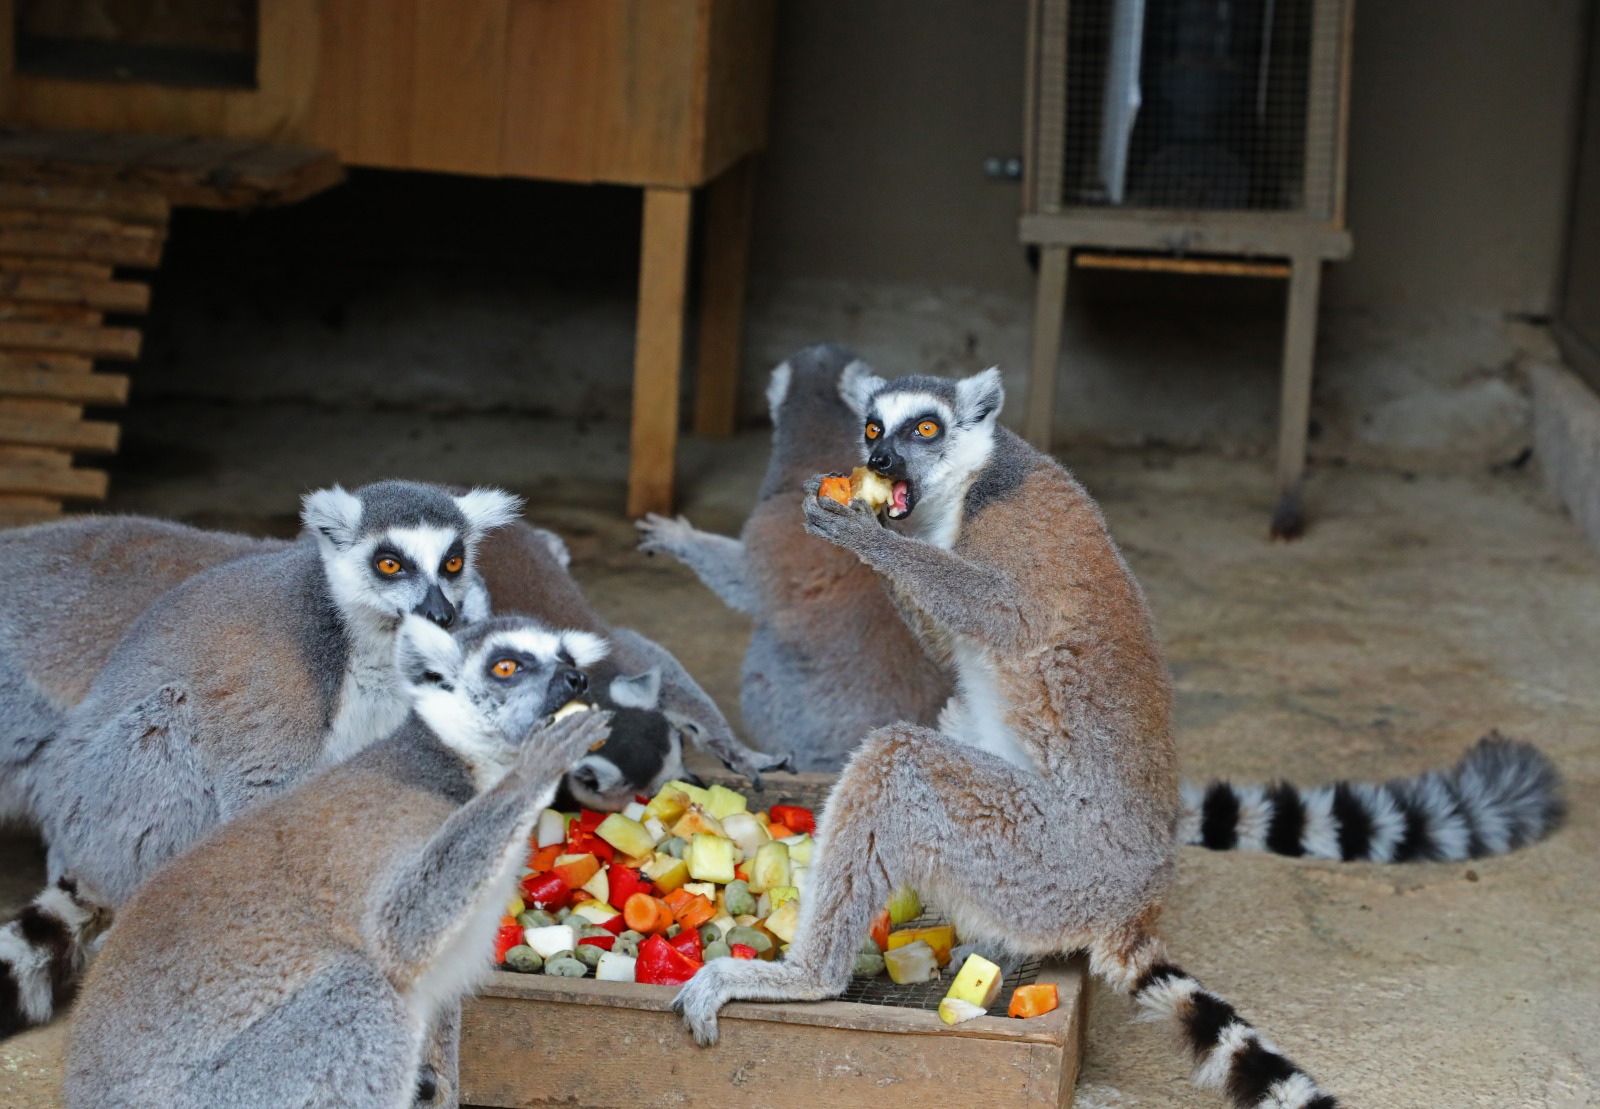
(717, 560)
(432, 895)
(687, 704)
(956, 594)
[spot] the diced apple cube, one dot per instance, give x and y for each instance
(634, 810)
(666, 872)
(915, 962)
(595, 911)
(780, 894)
(940, 937)
(550, 940)
(708, 890)
(977, 982)
(598, 886)
(905, 905)
(657, 830)
(952, 1010)
(667, 805)
(613, 967)
(698, 822)
(770, 867)
(627, 836)
(784, 921)
(799, 848)
(551, 829)
(698, 795)
(745, 830)
(724, 802)
(710, 858)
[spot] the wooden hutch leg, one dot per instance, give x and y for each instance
(658, 349)
(729, 202)
(1049, 311)
(1299, 351)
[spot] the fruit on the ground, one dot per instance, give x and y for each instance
(666, 873)
(868, 964)
(575, 870)
(953, 1010)
(550, 941)
(667, 806)
(710, 858)
(698, 821)
(978, 981)
(746, 831)
(881, 925)
(627, 836)
(724, 802)
(905, 905)
(698, 795)
(1034, 1000)
(784, 921)
(800, 849)
(594, 911)
(913, 962)
(940, 937)
(770, 867)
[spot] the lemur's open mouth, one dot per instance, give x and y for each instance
(903, 502)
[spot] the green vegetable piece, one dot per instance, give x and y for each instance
(524, 959)
(584, 931)
(709, 933)
(626, 947)
(567, 967)
(750, 937)
(674, 847)
(562, 915)
(738, 899)
(588, 954)
(630, 934)
(535, 918)
(868, 964)
(716, 949)
(673, 930)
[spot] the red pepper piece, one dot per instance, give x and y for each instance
(508, 937)
(661, 964)
(793, 816)
(547, 891)
(589, 821)
(616, 925)
(587, 843)
(602, 942)
(687, 942)
(743, 951)
(625, 882)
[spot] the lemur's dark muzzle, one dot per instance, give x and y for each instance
(437, 607)
(886, 461)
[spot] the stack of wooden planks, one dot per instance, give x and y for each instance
(74, 208)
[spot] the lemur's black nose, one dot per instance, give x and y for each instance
(437, 607)
(575, 681)
(880, 460)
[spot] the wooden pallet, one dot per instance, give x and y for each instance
(74, 208)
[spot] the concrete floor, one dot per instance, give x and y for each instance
(1419, 612)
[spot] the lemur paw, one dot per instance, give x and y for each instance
(667, 535)
(552, 750)
(699, 1001)
(838, 523)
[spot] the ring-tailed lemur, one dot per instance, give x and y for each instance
(373, 891)
(1041, 813)
(230, 687)
(815, 675)
(527, 571)
(812, 678)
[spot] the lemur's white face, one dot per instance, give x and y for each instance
(408, 562)
(485, 689)
(926, 435)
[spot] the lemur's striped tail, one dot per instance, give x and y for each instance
(42, 953)
(1230, 1056)
(1501, 795)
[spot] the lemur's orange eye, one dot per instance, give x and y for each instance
(927, 429)
(388, 566)
(505, 667)
(453, 564)
(873, 430)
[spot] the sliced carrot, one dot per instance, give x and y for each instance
(779, 831)
(696, 911)
(881, 924)
(1035, 1000)
(545, 858)
(646, 914)
(678, 898)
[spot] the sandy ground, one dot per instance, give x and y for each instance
(1420, 612)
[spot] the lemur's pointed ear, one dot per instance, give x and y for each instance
(427, 654)
(857, 384)
(778, 388)
(980, 396)
(487, 509)
(333, 514)
(637, 691)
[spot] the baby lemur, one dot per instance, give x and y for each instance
(1040, 814)
(811, 682)
(299, 955)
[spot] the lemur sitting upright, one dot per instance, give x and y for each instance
(373, 892)
(1040, 815)
(813, 681)
(816, 676)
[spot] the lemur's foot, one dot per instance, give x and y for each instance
(703, 996)
(755, 762)
(668, 535)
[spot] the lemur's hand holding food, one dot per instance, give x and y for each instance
(828, 517)
(873, 490)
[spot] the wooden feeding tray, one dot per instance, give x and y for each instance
(536, 1040)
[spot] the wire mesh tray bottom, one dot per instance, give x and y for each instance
(882, 990)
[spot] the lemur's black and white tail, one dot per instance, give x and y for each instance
(42, 953)
(1230, 1056)
(1501, 795)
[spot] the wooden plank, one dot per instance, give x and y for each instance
(100, 342)
(41, 431)
(1272, 234)
(658, 350)
(724, 260)
(85, 223)
(47, 360)
(1211, 267)
(85, 388)
(40, 408)
(458, 85)
(34, 457)
(1050, 306)
(117, 248)
(53, 481)
(106, 296)
(131, 205)
(1294, 413)
(49, 313)
(18, 509)
(66, 267)
(735, 78)
(282, 174)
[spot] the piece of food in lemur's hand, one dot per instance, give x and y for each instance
(874, 490)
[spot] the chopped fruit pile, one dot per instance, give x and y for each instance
(654, 892)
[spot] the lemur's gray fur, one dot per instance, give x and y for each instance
(526, 569)
(815, 679)
(372, 892)
(1040, 815)
(229, 688)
